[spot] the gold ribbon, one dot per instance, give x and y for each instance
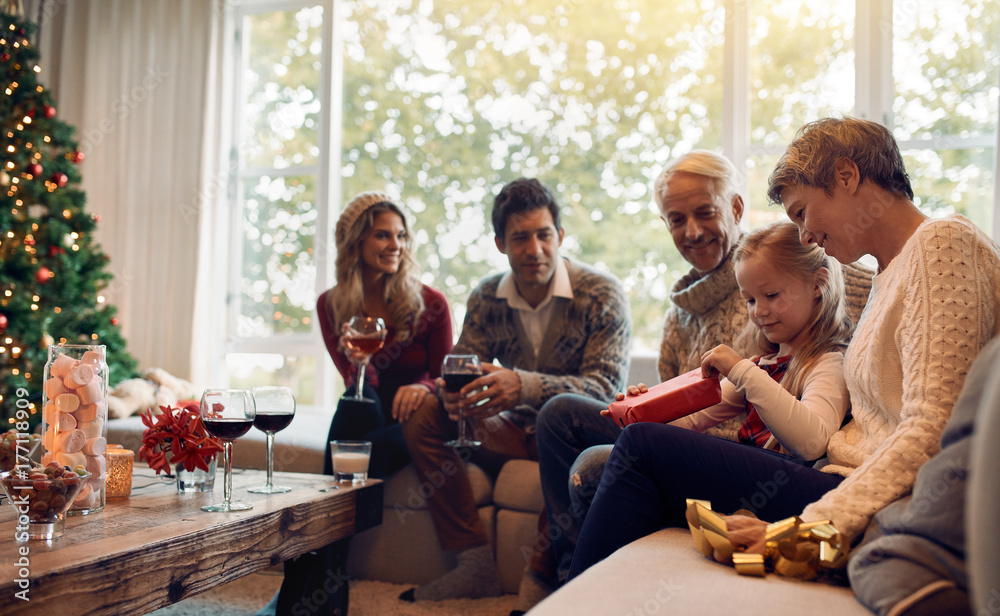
(793, 548)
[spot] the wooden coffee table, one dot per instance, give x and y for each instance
(158, 547)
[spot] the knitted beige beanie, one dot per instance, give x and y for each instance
(355, 209)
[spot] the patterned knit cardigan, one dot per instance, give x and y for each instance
(585, 349)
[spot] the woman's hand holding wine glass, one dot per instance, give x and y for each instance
(363, 337)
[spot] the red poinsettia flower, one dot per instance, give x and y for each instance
(180, 432)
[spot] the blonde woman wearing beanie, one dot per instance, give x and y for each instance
(378, 277)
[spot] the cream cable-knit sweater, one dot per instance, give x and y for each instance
(930, 312)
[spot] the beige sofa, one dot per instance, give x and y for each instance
(405, 550)
(664, 574)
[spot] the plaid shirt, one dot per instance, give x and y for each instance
(753, 431)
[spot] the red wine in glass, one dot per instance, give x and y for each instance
(272, 422)
(275, 410)
(455, 382)
(228, 429)
(227, 414)
(457, 372)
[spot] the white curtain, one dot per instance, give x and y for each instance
(137, 80)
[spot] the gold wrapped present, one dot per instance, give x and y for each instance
(793, 548)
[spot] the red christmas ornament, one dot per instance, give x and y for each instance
(59, 179)
(43, 275)
(35, 169)
(114, 320)
(97, 218)
(4, 56)
(76, 157)
(48, 111)
(56, 250)
(3, 322)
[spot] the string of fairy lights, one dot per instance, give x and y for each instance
(23, 164)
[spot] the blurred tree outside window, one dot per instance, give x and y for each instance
(945, 75)
(440, 103)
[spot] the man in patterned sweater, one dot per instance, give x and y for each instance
(555, 325)
(698, 199)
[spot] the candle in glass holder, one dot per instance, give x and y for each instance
(119, 473)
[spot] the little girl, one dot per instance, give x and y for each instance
(794, 394)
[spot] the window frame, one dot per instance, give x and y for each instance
(227, 279)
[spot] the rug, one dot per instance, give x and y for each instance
(243, 597)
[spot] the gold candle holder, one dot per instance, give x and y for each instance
(119, 473)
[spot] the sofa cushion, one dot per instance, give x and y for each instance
(519, 487)
(664, 573)
(517, 534)
(405, 488)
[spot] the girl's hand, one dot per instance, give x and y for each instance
(719, 360)
(407, 400)
(634, 390)
(746, 534)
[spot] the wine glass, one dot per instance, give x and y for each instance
(227, 414)
(458, 371)
(365, 335)
(275, 410)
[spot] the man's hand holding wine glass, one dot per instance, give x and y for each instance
(500, 388)
(502, 391)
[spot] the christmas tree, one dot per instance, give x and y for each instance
(51, 270)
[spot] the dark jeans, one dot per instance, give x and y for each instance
(366, 421)
(314, 583)
(654, 468)
(567, 424)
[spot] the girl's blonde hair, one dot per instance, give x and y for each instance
(401, 290)
(830, 328)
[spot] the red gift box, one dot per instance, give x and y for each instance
(682, 395)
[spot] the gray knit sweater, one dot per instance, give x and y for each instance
(708, 310)
(586, 346)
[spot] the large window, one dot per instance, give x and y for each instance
(441, 102)
(279, 198)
